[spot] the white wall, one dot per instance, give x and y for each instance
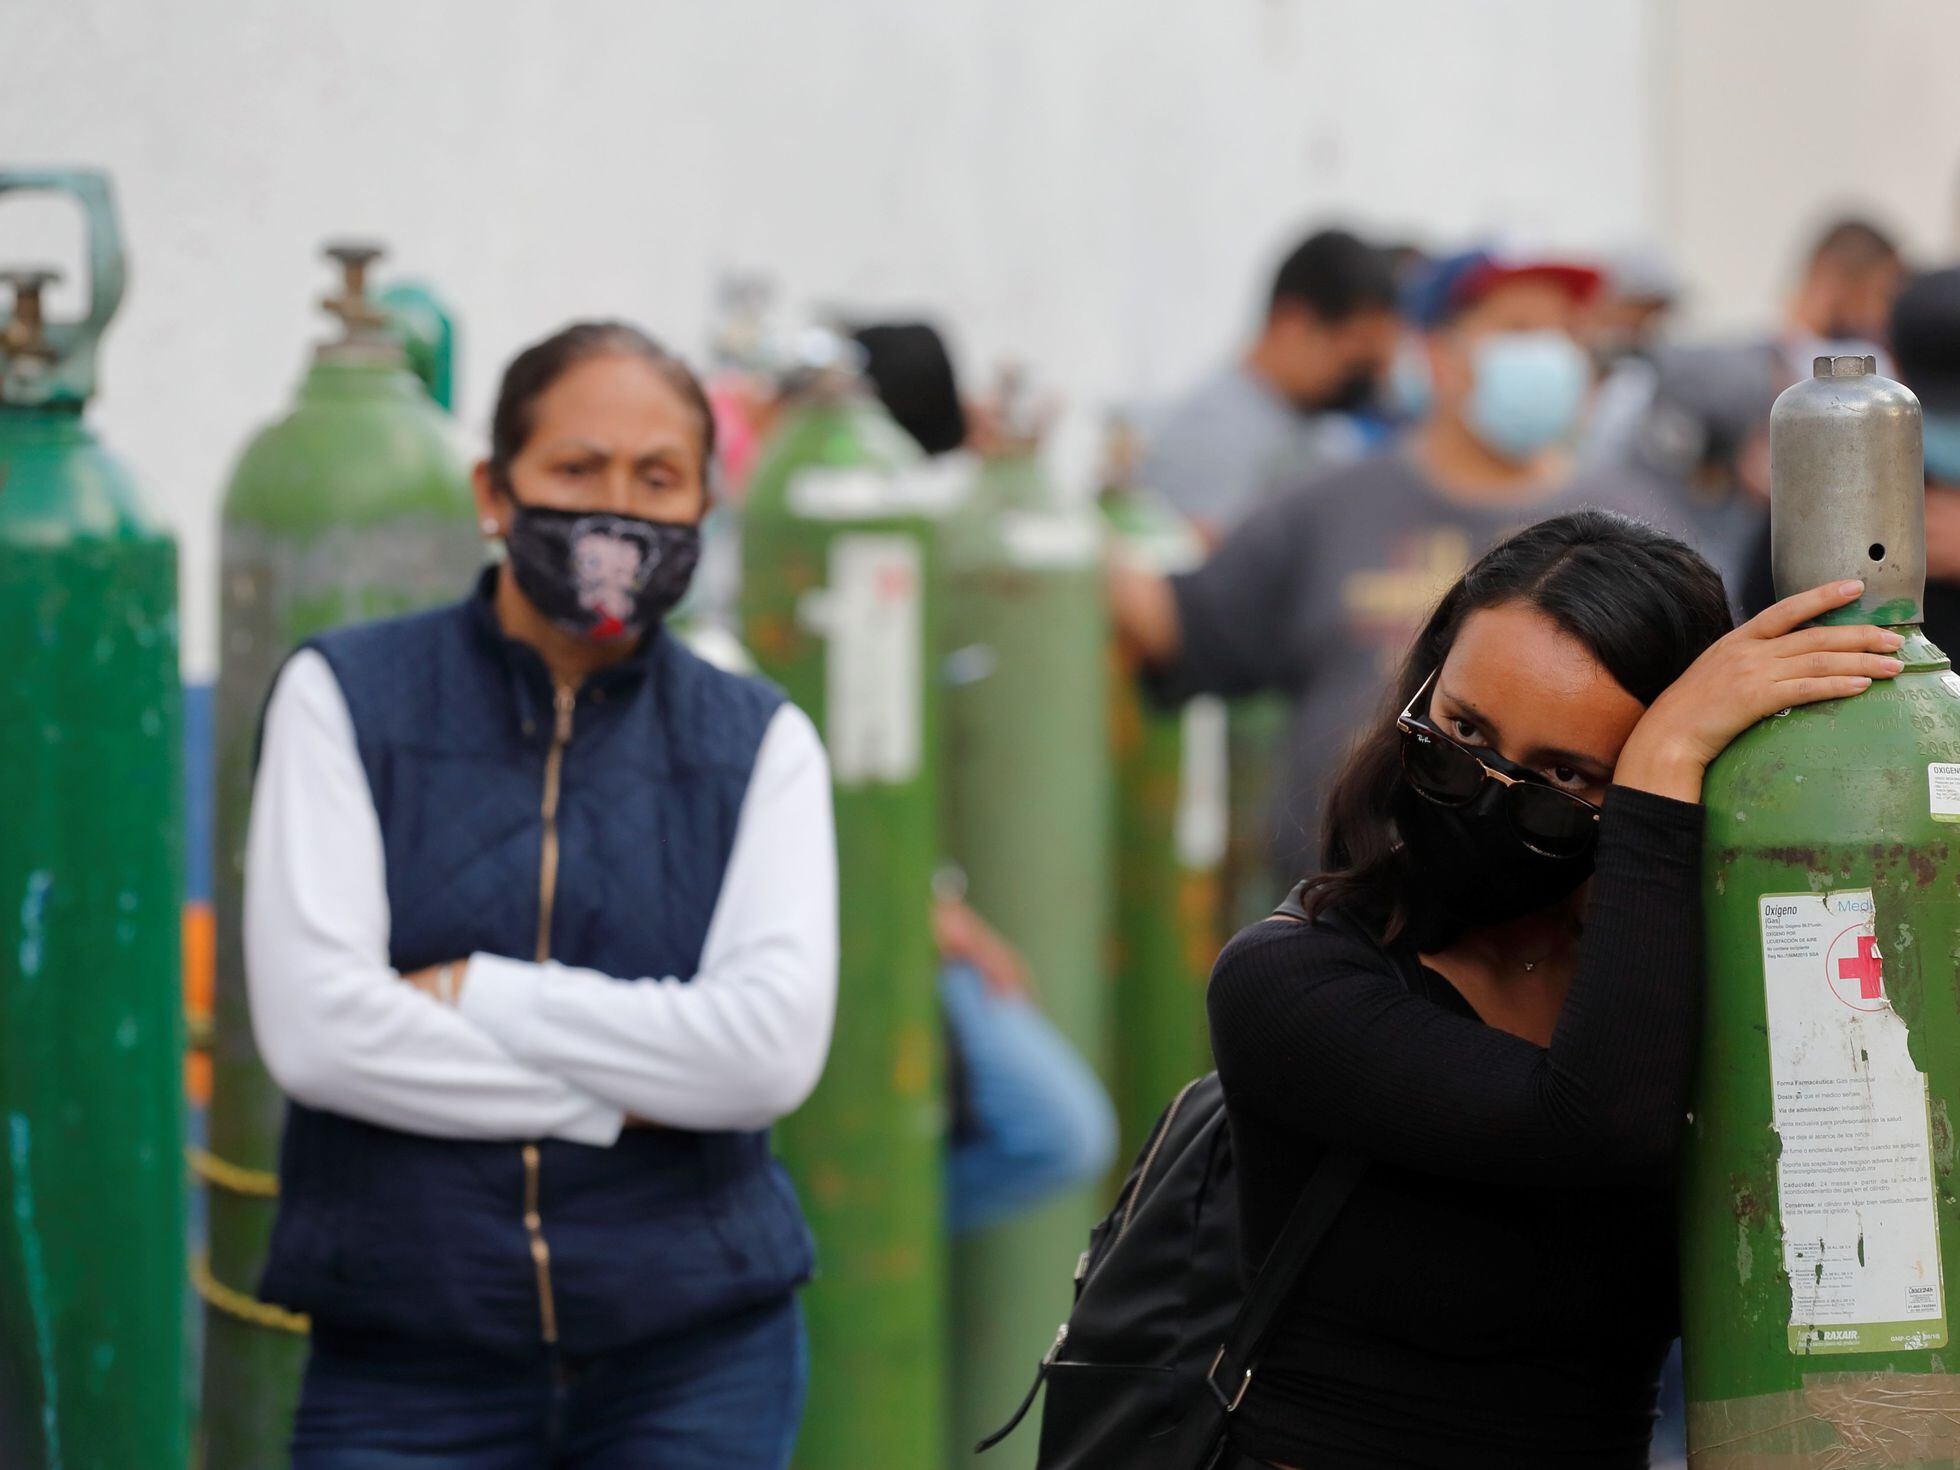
(1094, 187)
(1783, 113)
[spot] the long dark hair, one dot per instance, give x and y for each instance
(1642, 603)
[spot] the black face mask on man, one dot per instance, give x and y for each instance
(1472, 866)
(599, 575)
(1357, 391)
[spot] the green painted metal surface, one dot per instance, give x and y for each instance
(839, 603)
(1822, 1012)
(355, 505)
(1255, 754)
(1028, 818)
(92, 1289)
(1169, 811)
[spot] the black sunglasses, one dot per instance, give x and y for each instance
(1551, 822)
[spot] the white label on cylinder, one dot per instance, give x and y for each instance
(1854, 1179)
(843, 493)
(1952, 682)
(1041, 541)
(871, 620)
(1943, 790)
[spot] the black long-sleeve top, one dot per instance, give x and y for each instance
(1501, 1288)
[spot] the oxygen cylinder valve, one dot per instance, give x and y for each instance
(365, 321)
(25, 333)
(1018, 417)
(25, 352)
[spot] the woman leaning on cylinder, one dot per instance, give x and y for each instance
(540, 926)
(1504, 1024)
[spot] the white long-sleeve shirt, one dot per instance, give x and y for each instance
(532, 1050)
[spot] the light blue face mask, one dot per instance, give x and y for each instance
(1943, 448)
(1529, 389)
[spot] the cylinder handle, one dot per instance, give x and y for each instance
(46, 360)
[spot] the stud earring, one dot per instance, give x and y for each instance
(490, 526)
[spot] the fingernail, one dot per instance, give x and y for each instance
(1896, 665)
(1850, 589)
(1863, 682)
(1894, 640)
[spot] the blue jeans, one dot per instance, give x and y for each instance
(726, 1398)
(1040, 1121)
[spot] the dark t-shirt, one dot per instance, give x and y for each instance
(1318, 594)
(1501, 1289)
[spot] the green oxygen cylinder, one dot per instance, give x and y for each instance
(92, 1295)
(355, 505)
(1255, 738)
(1820, 1236)
(1168, 776)
(839, 601)
(1027, 798)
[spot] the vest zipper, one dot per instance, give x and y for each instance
(563, 699)
(540, 1252)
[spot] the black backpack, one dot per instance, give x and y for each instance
(1165, 1335)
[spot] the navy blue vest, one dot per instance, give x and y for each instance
(394, 1233)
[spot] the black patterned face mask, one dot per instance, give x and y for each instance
(598, 575)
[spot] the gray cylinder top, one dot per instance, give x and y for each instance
(1848, 489)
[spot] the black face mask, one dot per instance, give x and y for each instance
(1472, 868)
(1357, 391)
(598, 575)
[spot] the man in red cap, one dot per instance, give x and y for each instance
(1318, 593)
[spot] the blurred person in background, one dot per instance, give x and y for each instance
(1703, 434)
(1845, 294)
(1623, 330)
(1029, 1118)
(1639, 291)
(1925, 338)
(1269, 419)
(541, 938)
(1317, 594)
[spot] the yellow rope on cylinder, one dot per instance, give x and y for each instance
(245, 1308)
(236, 1178)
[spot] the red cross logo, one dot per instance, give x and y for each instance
(1868, 969)
(1855, 969)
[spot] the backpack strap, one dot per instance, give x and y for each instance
(1314, 1213)
(1293, 906)
(1320, 1204)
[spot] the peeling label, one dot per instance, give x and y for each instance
(1854, 1182)
(1943, 790)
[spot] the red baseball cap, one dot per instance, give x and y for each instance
(1458, 282)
